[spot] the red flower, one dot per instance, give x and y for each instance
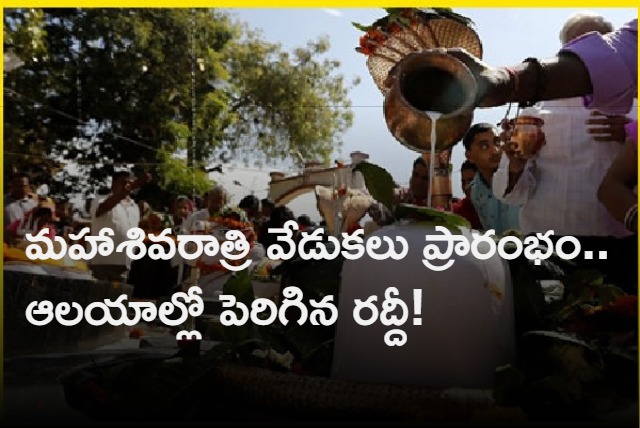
(394, 28)
(136, 333)
(624, 305)
(376, 36)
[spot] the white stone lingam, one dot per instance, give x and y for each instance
(466, 317)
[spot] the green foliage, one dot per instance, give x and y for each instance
(382, 188)
(311, 346)
(238, 285)
(288, 101)
(179, 178)
(577, 357)
(379, 183)
(433, 216)
(108, 86)
(402, 16)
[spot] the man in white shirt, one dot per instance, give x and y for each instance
(17, 202)
(558, 187)
(217, 198)
(120, 213)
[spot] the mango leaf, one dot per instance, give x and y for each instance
(577, 284)
(547, 339)
(608, 293)
(444, 218)
(429, 13)
(447, 12)
(361, 27)
(379, 183)
(239, 285)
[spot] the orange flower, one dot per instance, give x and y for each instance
(231, 223)
(206, 269)
(376, 36)
(367, 46)
(394, 28)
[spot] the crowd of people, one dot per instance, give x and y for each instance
(26, 212)
(580, 183)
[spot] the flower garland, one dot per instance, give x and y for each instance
(378, 33)
(230, 217)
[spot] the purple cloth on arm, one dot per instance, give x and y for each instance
(631, 129)
(612, 61)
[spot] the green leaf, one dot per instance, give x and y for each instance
(609, 293)
(379, 183)
(538, 337)
(444, 218)
(361, 27)
(239, 285)
(448, 13)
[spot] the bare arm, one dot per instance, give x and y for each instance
(616, 190)
(122, 192)
(108, 204)
(562, 76)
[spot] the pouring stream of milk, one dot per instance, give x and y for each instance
(434, 116)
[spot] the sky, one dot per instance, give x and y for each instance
(508, 36)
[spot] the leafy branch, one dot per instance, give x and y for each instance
(404, 17)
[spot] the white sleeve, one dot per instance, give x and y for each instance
(187, 223)
(523, 188)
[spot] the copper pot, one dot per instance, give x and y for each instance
(429, 81)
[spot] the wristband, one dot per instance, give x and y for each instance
(540, 83)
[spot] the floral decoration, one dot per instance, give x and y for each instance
(396, 21)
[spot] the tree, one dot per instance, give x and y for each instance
(170, 91)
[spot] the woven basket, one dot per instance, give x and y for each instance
(429, 34)
(333, 397)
